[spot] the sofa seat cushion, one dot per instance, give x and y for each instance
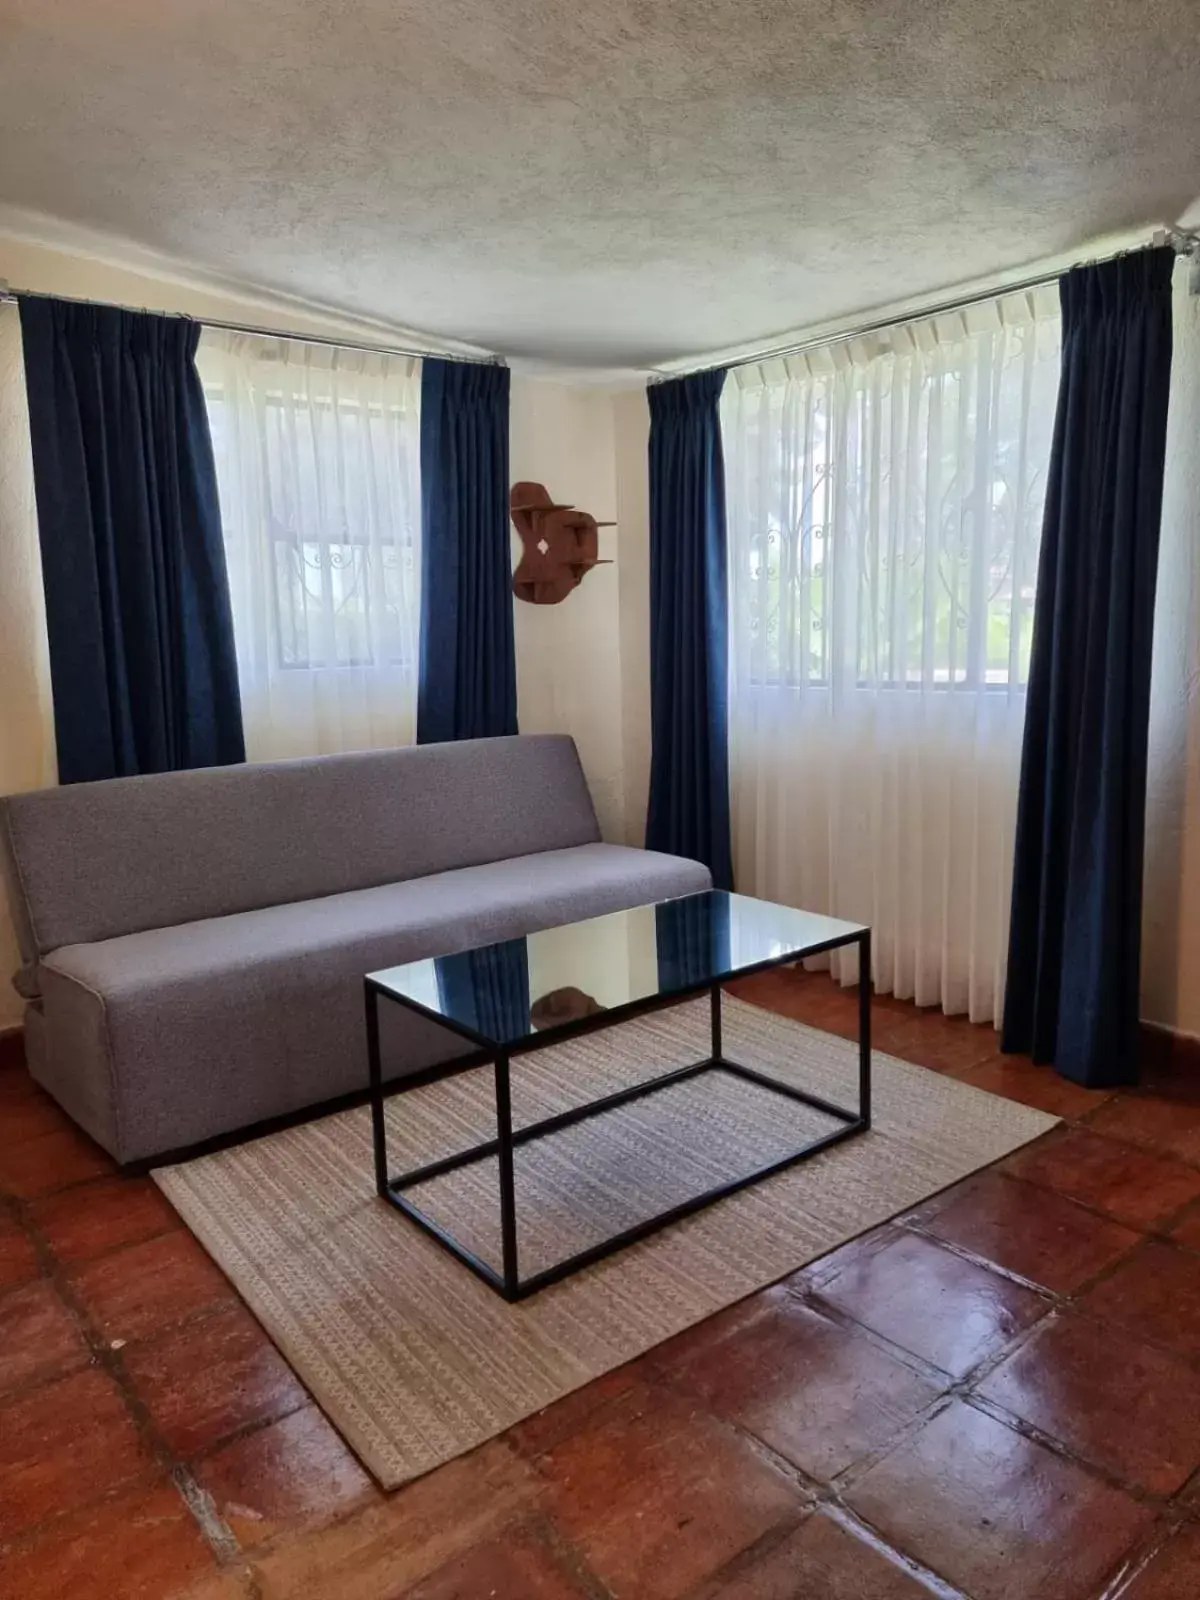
(193, 1012)
(436, 915)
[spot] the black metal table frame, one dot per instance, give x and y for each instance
(509, 1282)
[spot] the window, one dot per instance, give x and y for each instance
(884, 508)
(317, 452)
(885, 503)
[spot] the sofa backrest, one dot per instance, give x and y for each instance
(93, 860)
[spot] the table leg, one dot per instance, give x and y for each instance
(375, 1071)
(864, 1025)
(508, 1203)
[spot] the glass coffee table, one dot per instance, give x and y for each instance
(524, 994)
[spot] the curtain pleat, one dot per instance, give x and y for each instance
(137, 597)
(488, 989)
(884, 498)
(468, 675)
(693, 939)
(689, 772)
(1075, 944)
(318, 459)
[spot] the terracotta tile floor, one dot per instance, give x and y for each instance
(996, 1397)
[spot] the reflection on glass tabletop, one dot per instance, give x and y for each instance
(553, 980)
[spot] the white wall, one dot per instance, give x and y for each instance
(1171, 903)
(569, 655)
(631, 420)
(26, 721)
(583, 666)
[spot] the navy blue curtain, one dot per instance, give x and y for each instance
(142, 661)
(689, 621)
(468, 671)
(1075, 942)
(488, 989)
(692, 939)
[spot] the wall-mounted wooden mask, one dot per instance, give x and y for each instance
(563, 1005)
(559, 545)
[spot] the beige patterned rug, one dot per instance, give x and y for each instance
(416, 1361)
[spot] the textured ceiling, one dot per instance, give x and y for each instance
(606, 182)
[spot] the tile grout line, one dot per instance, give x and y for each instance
(827, 1497)
(964, 1253)
(830, 1497)
(805, 1486)
(247, 1430)
(1153, 1501)
(565, 1555)
(966, 1390)
(1057, 1303)
(220, 1536)
(197, 1498)
(1156, 1230)
(30, 1227)
(1135, 1562)
(1067, 1126)
(820, 1494)
(1185, 1495)
(72, 1186)
(1192, 1209)
(744, 1561)
(1059, 1297)
(840, 1318)
(217, 1534)
(857, 1526)
(962, 1389)
(1074, 1301)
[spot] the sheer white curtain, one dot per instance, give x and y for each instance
(884, 508)
(27, 755)
(318, 461)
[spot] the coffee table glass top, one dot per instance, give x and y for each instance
(504, 994)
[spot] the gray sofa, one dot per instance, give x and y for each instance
(194, 943)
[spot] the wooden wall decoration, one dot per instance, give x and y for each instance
(563, 1005)
(560, 545)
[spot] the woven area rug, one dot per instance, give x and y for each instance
(416, 1361)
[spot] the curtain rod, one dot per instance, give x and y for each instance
(9, 294)
(1183, 242)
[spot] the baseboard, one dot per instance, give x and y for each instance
(295, 1119)
(12, 1045)
(1168, 1049)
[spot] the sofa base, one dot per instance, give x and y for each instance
(295, 1119)
(159, 1041)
